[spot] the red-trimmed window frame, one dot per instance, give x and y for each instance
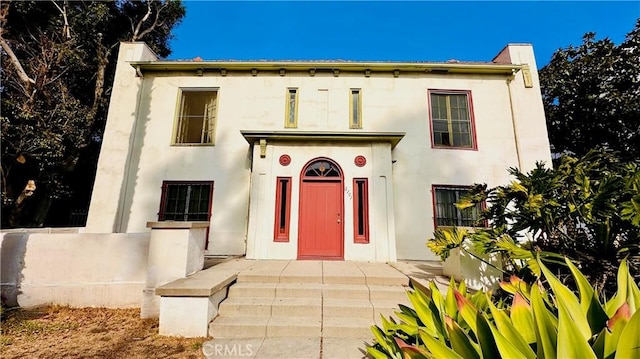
(283, 210)
(472, 122)
(361, 209)
(484, 224)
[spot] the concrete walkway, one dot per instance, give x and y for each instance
(309, 309)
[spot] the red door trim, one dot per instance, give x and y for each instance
(339, 179)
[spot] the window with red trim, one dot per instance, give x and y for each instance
(283, 209)
(451, 119)
(448, 215)
(186, 201)
(361, 210)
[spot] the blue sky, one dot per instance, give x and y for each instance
(395, 31)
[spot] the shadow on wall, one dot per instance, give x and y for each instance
(13, 248)
(141, 188)
(132, 161)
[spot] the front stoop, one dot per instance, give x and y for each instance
(304, 299)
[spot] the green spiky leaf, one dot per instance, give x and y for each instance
(629, 342)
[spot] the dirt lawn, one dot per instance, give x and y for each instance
(62, 332)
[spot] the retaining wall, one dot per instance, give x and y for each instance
(74, 269)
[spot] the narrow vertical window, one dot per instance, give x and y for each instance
(291, 118)
(355, 101)
(360, 210)
(283, 206)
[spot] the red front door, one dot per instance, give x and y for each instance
(320, 222)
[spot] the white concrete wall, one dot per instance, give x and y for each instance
(110, 189)
(258, 103)
(476, 274)
(79, 270)
(381, 247)
(531, 128)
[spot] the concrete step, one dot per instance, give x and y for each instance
(346, 327)
(266, 290)
(388, 292)
(299, 290)
(249, 306)
(345, 348)
(257, 277)
(382, 275)
(331, 299)
(386, 308)
(316, 290)
(263, 272)
(345, 291)
(302, 272)
(342, 273)
(357, 308)
(298, 326)
(297, 307)
(239, 327)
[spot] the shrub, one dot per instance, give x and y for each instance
(538, 322)
(587, 209)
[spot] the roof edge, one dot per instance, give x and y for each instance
(251, 136)
(171, 66)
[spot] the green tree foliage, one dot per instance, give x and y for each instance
(538, 321)
(58, 63)
(591, 95)
(587, 209)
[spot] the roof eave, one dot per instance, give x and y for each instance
(174, 66)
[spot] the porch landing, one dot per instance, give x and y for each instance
(309, 309)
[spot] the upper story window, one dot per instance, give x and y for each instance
(452, 124)
(355, 109)
(291, 117)
(186, 201)
(196, 122)
(448, 215)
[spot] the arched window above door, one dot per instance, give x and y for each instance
(322, 168)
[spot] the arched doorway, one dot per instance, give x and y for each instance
(320, 223)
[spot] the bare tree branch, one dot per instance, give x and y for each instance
(16, 63)
(4, 11)
(144, 18)
(103, 60)
(154, 25)
(26, 192)
(57, 77)
(66, 30)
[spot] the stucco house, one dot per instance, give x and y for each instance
(312, 159)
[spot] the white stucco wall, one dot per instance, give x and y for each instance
(247, 102)
(110, 189)
(381, 246)
(79, 270)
